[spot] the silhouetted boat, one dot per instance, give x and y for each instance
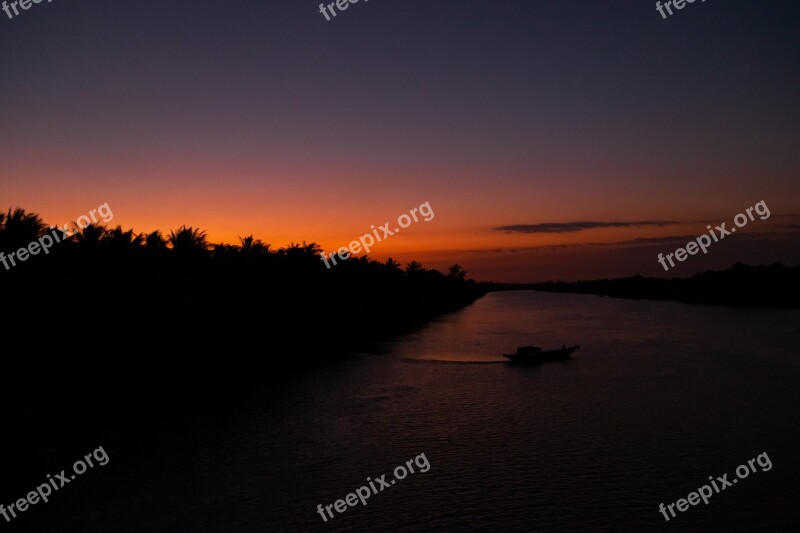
(531, 355)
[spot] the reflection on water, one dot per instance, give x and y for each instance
(660, 396)
(604, 327)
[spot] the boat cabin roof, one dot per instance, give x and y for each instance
(528, 349)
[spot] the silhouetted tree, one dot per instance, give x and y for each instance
(456, 272)
(287, 296)
(155, 242)
(301, 250)
(188, 240)
(122, 241)
(413, 267)
(391, 264)
(20, 229)
(89, 237)
(251, 245)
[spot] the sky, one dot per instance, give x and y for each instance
(553, 140)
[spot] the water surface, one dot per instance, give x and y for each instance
(660, 396)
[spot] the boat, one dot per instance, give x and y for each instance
(531, 355)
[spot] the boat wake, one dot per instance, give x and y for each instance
(453, 361)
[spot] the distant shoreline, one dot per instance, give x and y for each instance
(739, 286)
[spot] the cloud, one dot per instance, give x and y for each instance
(571, 227)
(640, 242)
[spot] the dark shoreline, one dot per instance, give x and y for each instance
(116, 329)
(76, 391)
(739, 286)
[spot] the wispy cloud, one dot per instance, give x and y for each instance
(571, 227)
(640, 242)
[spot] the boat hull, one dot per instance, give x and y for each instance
(562, 354)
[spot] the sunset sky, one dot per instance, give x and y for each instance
(259, 116)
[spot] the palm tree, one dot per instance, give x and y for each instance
(90, 236)
(252, 245)
(122, 240)
(391, 264)
(456, 272)
(155, 242)
(301, 250)
(413, 267)
(188, 240)
(224, 250)
(19, 229)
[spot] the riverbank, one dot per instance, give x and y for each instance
(740, 286)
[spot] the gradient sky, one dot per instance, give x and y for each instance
(259, 116)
